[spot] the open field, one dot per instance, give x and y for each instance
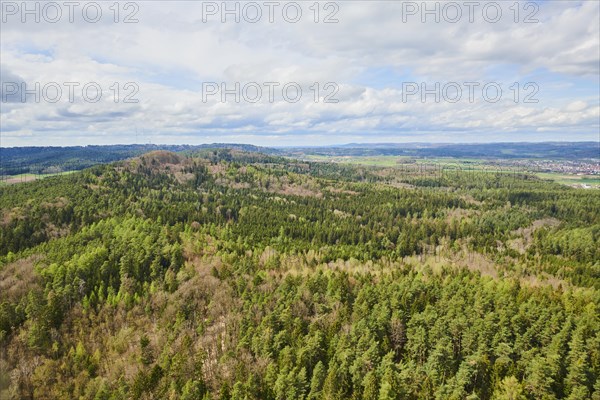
(567, 179)
(470, 164)
(22, 178)
(392, 161)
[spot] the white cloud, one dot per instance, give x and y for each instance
(170, 52)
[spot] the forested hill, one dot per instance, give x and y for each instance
(232, 275)
(43, 160)
(40, 160)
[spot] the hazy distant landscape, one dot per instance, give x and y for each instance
(576, 163)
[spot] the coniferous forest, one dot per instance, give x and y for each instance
(230, 275)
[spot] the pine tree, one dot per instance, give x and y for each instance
(317, 381)
(509, 389)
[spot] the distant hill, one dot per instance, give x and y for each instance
(550, 150)
(41, 160)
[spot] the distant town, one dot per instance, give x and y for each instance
(584, 167)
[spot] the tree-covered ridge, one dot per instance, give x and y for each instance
(232, 275)
(43, 160)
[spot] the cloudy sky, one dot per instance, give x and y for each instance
(298, 73)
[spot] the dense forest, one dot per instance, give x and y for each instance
(225, 274)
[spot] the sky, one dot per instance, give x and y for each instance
(298, 73)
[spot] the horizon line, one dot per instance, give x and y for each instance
(308, 146)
